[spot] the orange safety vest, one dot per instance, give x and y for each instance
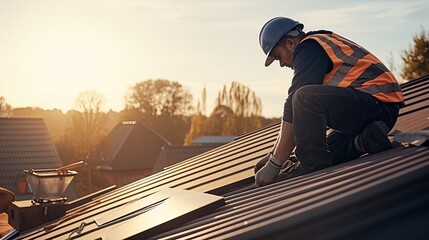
(354, 66)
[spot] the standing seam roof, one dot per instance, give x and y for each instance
(376, 196)
(316, 205)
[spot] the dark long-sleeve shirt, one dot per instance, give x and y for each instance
(310, 63)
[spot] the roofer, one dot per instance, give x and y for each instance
(336, 84)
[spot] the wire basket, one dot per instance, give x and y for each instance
(49, 185)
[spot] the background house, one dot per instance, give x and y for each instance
(174, 154)
(25, 143)
(129, 153)
(214, 141)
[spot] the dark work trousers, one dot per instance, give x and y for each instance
(346, 111)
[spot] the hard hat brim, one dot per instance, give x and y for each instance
(269, 60)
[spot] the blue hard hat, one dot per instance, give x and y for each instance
(273, 31)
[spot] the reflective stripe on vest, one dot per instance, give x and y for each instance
(354, 66)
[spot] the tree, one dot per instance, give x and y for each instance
(199, 123)
(223, 121)
(88, 129)
(416, 58)
(88, 123)
(160, 98)
(5, 108)
(162, 105)
(240, 99)
(237, 110)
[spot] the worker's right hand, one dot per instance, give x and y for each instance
(268, 172)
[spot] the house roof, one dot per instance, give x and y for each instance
(370, 198)
(132, 145)
(175, 154)
(383, 194)
(213, 140)
(217, 172)
(25, 143)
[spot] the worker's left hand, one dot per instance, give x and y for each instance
(268, 173)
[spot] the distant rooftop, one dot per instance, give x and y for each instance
(131, 145)
(213, 140)
(25, 143)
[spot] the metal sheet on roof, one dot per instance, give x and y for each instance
(217, 171)
(368, 197)
(146, 217)
(340, 202)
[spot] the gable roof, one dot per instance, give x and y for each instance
(25, 143)
(132, 145)
(369, 197)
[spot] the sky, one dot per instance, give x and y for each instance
(50, 51)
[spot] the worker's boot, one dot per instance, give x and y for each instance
(373, 138)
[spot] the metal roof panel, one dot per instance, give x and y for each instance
(360, 199)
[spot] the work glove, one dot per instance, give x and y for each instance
(268, 172)
(262, 162)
